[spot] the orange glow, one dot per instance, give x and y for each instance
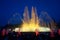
(37, 33)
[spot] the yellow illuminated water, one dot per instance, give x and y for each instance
(31, 24)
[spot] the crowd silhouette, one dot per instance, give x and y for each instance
(5, 35)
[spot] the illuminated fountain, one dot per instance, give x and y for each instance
(32, 24)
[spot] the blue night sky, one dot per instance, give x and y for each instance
(10, 7)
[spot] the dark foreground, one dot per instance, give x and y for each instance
(29, 36)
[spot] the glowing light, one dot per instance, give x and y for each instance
(31, 24)
(16, 30)
(37, 33)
